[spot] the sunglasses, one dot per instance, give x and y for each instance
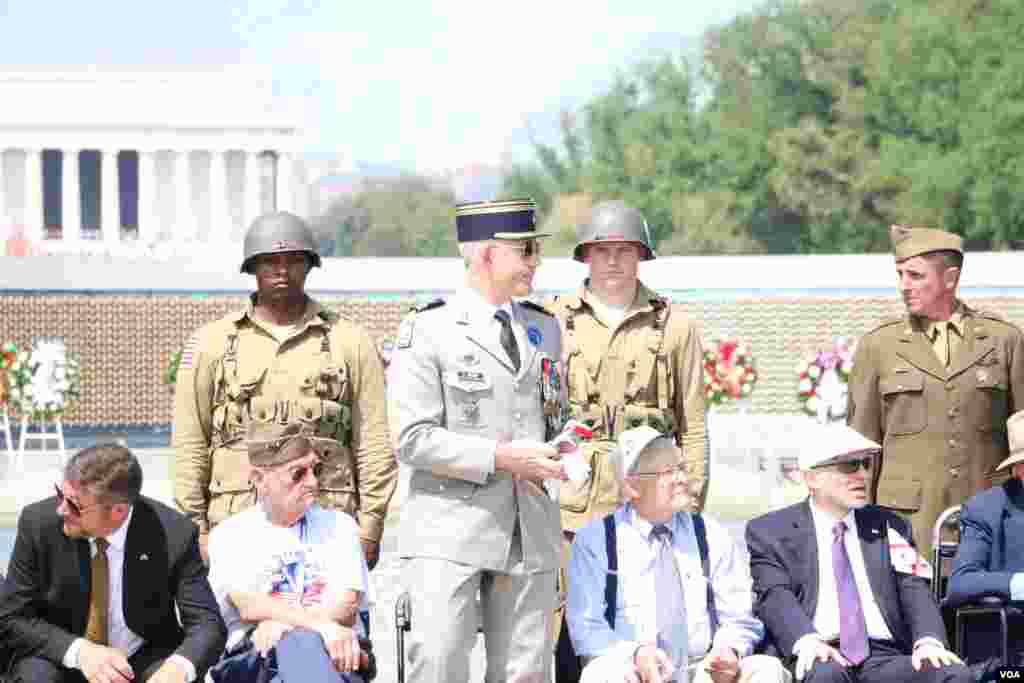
(299, 473)
(75, 508)
(527, 249)
(851, 466)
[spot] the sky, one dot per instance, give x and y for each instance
(425, 85)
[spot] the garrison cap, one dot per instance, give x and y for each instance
(909, 242)
(834, 443)
(273, 444)
(512, 219)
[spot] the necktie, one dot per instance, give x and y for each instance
(671, 606)
(96, 629)
(508, 338)
(853, 629)
(943, 342)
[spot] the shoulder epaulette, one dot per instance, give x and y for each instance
(886, 322)
(436, 303)
(536, 307)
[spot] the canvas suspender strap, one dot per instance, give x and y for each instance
(611, 585)
(701, 533)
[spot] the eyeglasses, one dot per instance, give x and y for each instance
(527, 249)
(678, 469)
(851, 466)
(76, 509)
(299, 473)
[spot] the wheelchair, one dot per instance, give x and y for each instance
(943, 552)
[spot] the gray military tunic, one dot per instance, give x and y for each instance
(465, 528)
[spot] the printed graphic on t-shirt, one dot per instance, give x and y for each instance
(298, 577)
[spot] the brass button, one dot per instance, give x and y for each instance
(952, 442)
(952, 412)
(950, 386)
(954, 472)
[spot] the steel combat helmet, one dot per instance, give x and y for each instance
(613, 221)
(277, 232)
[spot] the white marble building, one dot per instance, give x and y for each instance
(141, 158)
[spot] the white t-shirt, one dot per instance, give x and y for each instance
(309, 563)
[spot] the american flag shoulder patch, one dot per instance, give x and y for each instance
(188, 354)
(905, 558)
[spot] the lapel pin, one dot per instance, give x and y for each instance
(143, 557)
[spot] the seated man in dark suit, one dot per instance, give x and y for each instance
(94, 579)
(838, 583)
(990, 559)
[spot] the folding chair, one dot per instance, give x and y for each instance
(943, 552)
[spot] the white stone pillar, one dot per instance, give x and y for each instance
(148, 228)
(32, 220)
(110, 197)
(71, 201)
(252, 188)
(220, 217)
(185, 224)
(284, 181)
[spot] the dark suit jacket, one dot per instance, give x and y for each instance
(991, 544)
(784, 564)
(47, 601)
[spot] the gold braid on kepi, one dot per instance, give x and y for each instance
(511, 219)
(272, 444)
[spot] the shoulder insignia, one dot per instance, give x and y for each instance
(526, 303)
(436, 303)
(188, 353)
(404, 338)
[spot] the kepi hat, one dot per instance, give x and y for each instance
(272, 444)
(835, 443)
(512, 219)
(1015, 432)
(909, 242)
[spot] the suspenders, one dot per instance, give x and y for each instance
(611, 586)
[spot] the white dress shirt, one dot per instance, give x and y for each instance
(119, 636)
(635, 613)
(826, 614)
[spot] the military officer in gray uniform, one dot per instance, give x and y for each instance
(475, 392)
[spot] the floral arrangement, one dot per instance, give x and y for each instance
(171, 374)
(44, 381)
(8, 354)
(823, 379)
(729, 371)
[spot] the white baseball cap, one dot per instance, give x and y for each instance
(632, 443)
(834, 443)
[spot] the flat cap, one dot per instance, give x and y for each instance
(909, 242)
(273, 444)
(512, 219)
(834, 443)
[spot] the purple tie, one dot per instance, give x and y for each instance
(853, 630)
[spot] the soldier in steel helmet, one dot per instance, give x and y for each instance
(631, 359)
(935, 386)
(283, 359)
